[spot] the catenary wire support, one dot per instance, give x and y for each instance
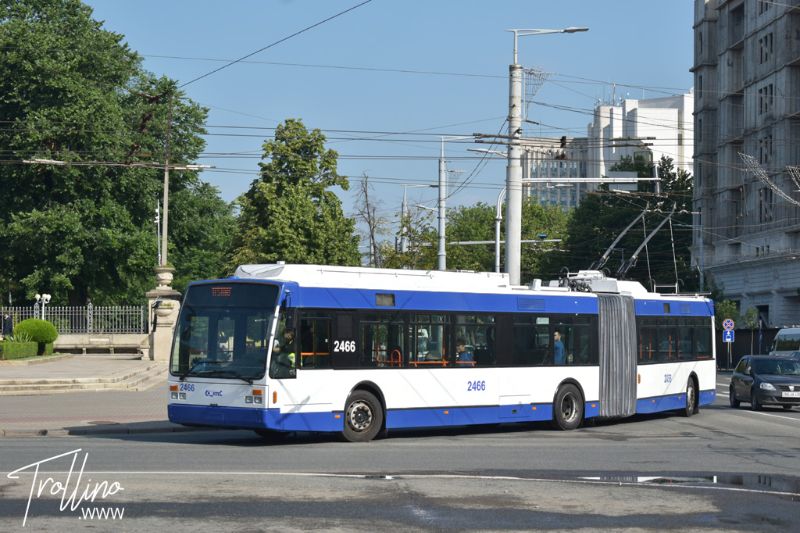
(533, 79)
(752, 166)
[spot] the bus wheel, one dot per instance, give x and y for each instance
(691, 399)
(363, 417)
(568, 407)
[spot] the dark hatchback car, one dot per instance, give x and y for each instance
(766, 380)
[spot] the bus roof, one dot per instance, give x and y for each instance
(437, 281)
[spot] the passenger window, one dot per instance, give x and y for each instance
(474, 340)
(382, 341)
(429, 341)
(315, 340)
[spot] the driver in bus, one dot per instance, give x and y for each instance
(283, 355)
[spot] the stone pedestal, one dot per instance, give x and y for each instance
(164, 306)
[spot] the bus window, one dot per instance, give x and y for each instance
(382, 340)
(315, 337)
(283, 363)
(429, 339)
(531, 340)
(478, 334)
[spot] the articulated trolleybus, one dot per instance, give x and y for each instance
(360, 351)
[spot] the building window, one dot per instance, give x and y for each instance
(766, 99)
(764, 6)
(766, 204)
(765, 48)
(700, 42)
(765, 150)
(699, 132)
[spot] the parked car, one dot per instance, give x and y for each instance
(766, 380)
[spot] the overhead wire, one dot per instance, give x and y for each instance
(279, 41)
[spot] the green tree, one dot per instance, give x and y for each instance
(726, 309)
(422, 244)
(290, 213)
(72, 91)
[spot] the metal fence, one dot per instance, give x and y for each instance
(86, 319)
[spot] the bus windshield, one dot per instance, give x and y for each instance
(223, 331)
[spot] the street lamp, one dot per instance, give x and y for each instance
(44, 299)
(514, 166)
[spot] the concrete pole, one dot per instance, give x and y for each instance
(442, 255)
(514, 173)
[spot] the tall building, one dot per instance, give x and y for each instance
(747, 92)
(662, 126)
(652, 127)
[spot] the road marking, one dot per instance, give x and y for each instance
(615, 483)
(776, 416)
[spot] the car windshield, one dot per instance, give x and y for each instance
(223, 331)
(777, 367)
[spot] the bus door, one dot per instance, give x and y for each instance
(617, 347)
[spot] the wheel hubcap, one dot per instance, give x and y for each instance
(569, 409)
(359, 415)
(690, 397)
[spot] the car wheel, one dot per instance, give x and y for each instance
(568, 407)
(732, 398)
(691, 399)
(363, 417)
(755, 405)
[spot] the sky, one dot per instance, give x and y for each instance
(387, 79)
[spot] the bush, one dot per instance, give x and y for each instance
(38, 330)
(17, 350)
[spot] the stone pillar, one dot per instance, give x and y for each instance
(165, 302)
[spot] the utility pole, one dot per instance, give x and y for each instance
(514, 165)
(514, 172)
(442, 254)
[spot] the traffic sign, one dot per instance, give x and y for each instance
(728, 324)
(728, 335)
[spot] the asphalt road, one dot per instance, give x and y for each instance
(724, 469)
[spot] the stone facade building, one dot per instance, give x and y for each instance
(747, 100)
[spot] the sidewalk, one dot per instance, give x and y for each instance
(106, 411)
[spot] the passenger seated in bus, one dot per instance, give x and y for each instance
(558, 349)
(464, 357)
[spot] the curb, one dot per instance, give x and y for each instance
(33, 361)
(108, 429)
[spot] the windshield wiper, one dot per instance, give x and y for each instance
(204, 362)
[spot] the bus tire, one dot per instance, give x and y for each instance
(691, 399)
(363, 417)
(568, 407)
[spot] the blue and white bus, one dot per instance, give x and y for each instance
(360, 351)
